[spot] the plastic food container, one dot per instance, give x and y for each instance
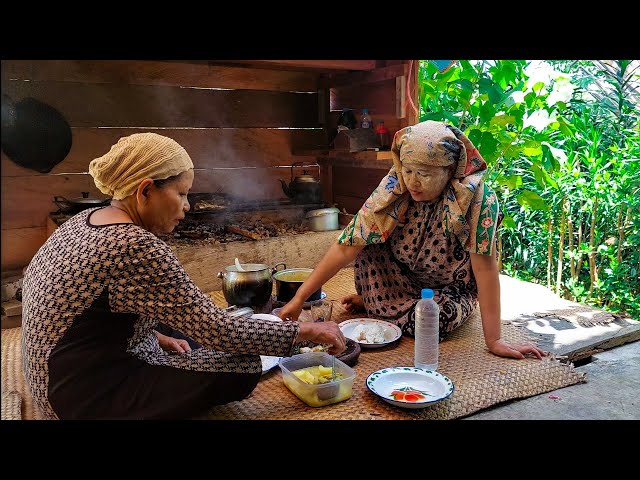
(321, 394)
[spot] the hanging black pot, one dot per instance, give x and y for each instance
(34, 135)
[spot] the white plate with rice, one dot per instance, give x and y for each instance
(370, 332)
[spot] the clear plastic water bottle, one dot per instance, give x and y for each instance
(365, 121)
(427, 331)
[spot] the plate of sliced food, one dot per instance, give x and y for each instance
(370, 332)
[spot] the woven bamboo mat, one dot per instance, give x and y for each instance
(17, 402)
(11, 406)
(480, 378)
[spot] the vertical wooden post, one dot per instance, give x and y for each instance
(327, 181)
(401, 93)
(326, 168)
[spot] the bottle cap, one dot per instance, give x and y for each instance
(427, 293)
(365, 110)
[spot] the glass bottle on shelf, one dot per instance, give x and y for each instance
(383, 136)
(365, 120)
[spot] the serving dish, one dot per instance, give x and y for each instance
(409, 387)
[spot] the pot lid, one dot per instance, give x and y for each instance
(321, 211)
(305, 178)
(88, 201)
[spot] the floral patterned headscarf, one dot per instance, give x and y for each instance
(428, 143)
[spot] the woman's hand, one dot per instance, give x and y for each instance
(328, 333)
(504, 349)
(170, 344)
(292, 310)
(353, 303)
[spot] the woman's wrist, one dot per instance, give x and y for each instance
(304, 332)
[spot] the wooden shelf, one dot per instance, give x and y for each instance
(364, 155)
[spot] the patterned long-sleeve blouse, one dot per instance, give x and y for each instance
(92, 296)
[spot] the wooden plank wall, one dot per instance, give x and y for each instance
(352, 186)
(223, 115)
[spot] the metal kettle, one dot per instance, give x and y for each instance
(303, 188)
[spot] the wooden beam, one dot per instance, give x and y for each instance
(312, 64)
(157, 72)
(377, 75)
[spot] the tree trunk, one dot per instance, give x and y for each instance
(572, 253)
(593, 273)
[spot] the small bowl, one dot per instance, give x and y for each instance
(322, 394)
(351, 353)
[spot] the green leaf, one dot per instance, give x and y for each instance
(484, 85)
(537, 173)
(495, 94)
(502, 120)
(508, 222)
(566, 128)
(488, 143)
(532, 148)
(475, 135)
(487, 112)
(538, 86)
(530, 99)
(532, 200)
(511, 182)
(549, 160)
(466, 85)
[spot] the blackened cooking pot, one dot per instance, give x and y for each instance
(289, 280)
(75, 205)
(252, 287)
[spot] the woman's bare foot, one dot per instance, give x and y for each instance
(353, 303)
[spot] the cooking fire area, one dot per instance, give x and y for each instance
(218, 218)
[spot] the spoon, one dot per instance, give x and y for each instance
(330, 390)
(238, 266)
(333, 368)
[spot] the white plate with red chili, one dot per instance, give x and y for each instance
(409, 387)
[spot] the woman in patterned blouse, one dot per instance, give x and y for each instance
(97, 290)
(431, 223)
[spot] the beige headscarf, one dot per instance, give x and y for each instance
(427, 143)
(134, 158)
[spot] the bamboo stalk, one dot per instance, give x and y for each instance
(561, 229)
(593, 274)
(549, 250)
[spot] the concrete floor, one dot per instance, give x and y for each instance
(610, 393)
